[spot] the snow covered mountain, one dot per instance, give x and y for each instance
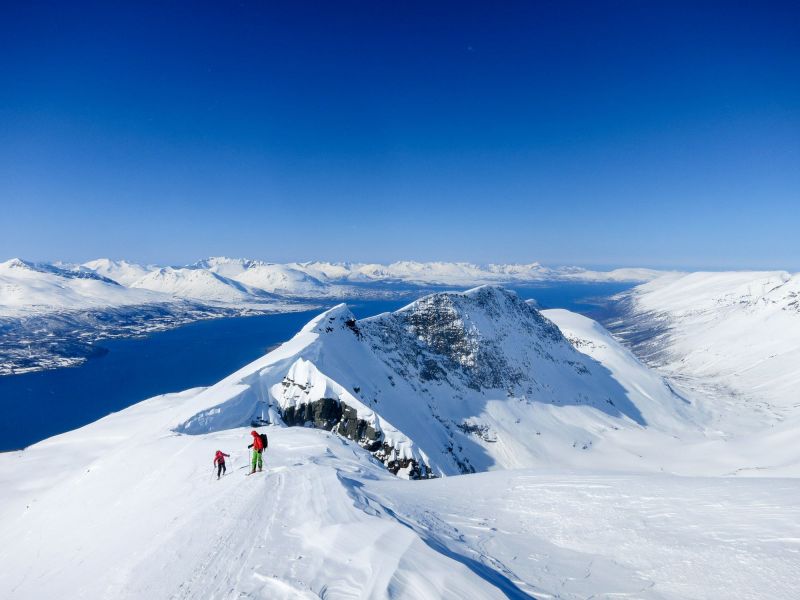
(452, 383)
(729, 337)
(121, 271)
(456, 383)
(200, 284)
(335, 280)
(462, 274)
(53, 316)
(271, 277)
(29, 288)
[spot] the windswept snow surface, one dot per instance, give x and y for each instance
(126, 508)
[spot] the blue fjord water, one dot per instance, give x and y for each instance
(39, 405)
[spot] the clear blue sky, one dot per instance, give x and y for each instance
(594, 133)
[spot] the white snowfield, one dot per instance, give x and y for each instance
(593, 479)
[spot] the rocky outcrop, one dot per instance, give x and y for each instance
(307, 398)
(331, 415)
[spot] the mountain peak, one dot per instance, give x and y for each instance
(17, 263)
(334, 319)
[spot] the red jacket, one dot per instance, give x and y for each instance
(258, 446)
(220, 457)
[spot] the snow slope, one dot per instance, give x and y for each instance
(29, 288)
(126, 508)
(731, 336)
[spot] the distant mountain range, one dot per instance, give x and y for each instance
(34, 288)
(27, 287)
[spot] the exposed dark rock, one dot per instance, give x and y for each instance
(331, 415)
(324, 413)
(353, 326)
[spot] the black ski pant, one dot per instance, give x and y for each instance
(220, 469)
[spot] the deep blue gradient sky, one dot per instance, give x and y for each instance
(595, 133)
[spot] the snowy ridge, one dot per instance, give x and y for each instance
(280, 279)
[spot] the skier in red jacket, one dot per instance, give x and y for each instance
(258, 448)
(219, 462)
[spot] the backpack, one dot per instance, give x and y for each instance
(264, 440)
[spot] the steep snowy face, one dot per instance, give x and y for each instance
(455, 382)
(732, 334)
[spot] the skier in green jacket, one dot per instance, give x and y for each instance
(258, 449)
